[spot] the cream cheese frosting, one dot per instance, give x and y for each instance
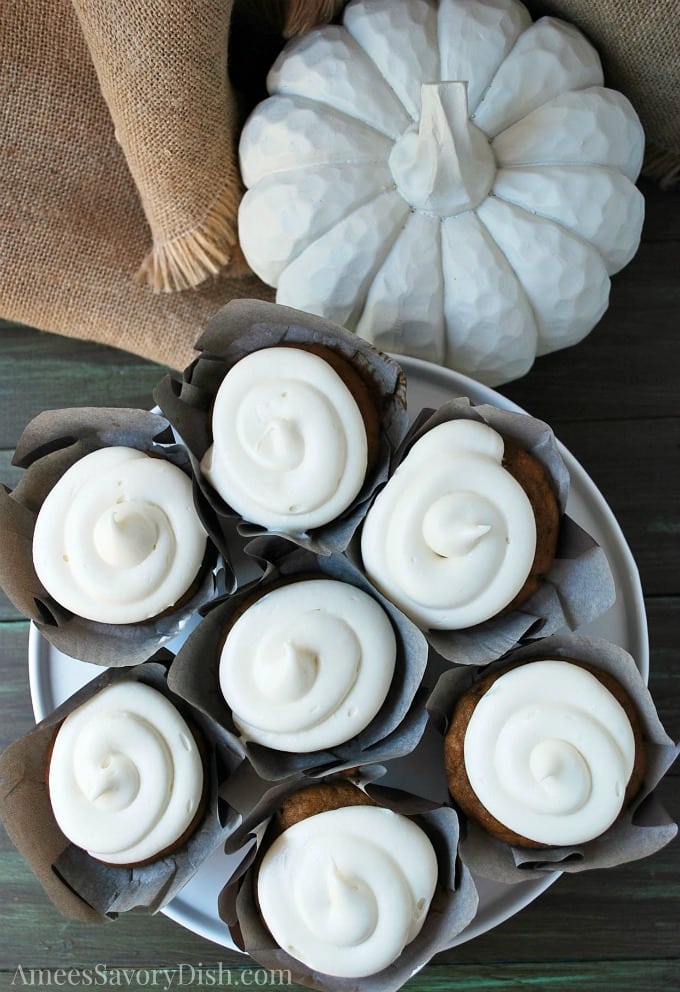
(117, 539)
(125, 774)
(346, 890)
(452, 536)
(289, 445)
(308, 665)
(549, 751)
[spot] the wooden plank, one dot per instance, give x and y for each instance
(634, 463)
(622, 976)
(47, 371)
(9, 476)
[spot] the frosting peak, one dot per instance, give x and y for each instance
(281, 445)
(128, 534)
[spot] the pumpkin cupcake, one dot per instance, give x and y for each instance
(551, 755)
(310, 666)
(104, 550)
(346, 886)
(470, 537)
(292, 423)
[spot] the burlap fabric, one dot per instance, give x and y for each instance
(118, 133)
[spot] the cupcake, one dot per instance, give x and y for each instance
(545, 754)
(125, 776)
(552, 754)
(104, 550)
(345, 887)
(295, 432)
(291, 421)
(113, 799)
(469, 537)
(310, 666)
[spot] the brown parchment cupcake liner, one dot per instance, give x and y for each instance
(579, 586)
(642, 828)
(81, 887)
(394, 731)
(244, 326)
(51, 443)
(453, 906)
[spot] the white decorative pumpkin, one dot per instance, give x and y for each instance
(449, 180)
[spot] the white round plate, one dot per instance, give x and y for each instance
(54, 677)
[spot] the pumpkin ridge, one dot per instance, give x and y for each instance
(484, 371)
(414, 118)
(345, 217)
(381, 76)
(541, 216)
(558, 325)
(312, 102)
(360, 283)
(326, 99)
(552, 33)
(514, 271)
(617, 248)
(360, 303)
(486, 89)
(364, 324)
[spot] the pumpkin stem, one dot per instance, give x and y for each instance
(445, 164)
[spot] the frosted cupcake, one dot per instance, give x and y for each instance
(125, 777)
(105, 551)
(310, 667)
(546, 753)
(113, 797)
(552, 754)
(292, 422)
(469, 536)
(117, 539)
(346, 887)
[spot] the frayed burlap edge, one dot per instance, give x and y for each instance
(192, 257)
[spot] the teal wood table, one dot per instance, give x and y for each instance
(615, 402)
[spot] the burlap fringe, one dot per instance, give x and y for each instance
(194, 256)
(662, 166)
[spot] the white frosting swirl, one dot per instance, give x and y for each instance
(308, 665)
(118, 539)
(125, 775)
(346, 890)
(549, 752)
(452, 536)
(289, 445)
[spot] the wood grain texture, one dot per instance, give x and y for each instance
(613, 401)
